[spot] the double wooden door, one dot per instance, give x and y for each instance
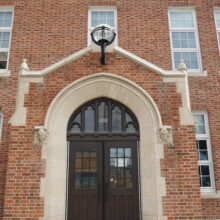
(103, 181)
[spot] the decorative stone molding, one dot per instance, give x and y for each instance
(24, 65)
(40, 135)
(182, 66)
(19, 116)
(39, 73)
(186, 117)
(166, 136)
(5, 73)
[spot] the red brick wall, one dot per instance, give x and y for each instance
(46, 31)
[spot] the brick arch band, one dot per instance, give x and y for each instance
(53, 185)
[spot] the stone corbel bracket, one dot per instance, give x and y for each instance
(40, 135)
(166, 135)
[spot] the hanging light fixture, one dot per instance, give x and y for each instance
(103, 36)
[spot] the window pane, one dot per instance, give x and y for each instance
(174, 23)
(218, 24)
(128, 162)
(5, 19)
(110, 18)
(121, 168)
(183, 35)
(202, 149)
(110, 15)
(127, 152)
(204, 172)
(182, 19)
(217, 16)
(103, 116)
(184, 44)
(102, 17)
(89, 119)
(192, 43)
(219, 37)
(4, 39)
(5, 44)
(189, 58)
(199, 119)
(95, 22)
(3, 60)
(121, 152)
(177, 56)
(206, 181)
(176, 44)
(113, 152)
(200, 124)
(110, 22)
(183, 40)
(8, 15)
(185, 56)
(85, 168)
(188, 16)
(5, 35)
(95, 15)
(7, 23)
(2, 15)
(175, 35)
(116, 119)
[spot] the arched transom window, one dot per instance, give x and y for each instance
(102, 116)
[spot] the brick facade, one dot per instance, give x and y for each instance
(45, 32)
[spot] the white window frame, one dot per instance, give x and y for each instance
(102, 8)
(7, 29)
(217, 10)
(1, 124)
(195, 30)
(208, 162)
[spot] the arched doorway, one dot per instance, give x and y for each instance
(103, 169)
(54, 189)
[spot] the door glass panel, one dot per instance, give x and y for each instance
(85, 168)
(121, 167)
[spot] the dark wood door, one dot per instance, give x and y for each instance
(85, 181)
(103, 181)
(121, 179)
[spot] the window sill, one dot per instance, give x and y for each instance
(5, 73)
(210, 195)
(203, 73)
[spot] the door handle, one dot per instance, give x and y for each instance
(106, 192)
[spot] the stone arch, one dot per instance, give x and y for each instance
(53, 185)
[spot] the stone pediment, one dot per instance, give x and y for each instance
(179, 77)
(25, 71)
